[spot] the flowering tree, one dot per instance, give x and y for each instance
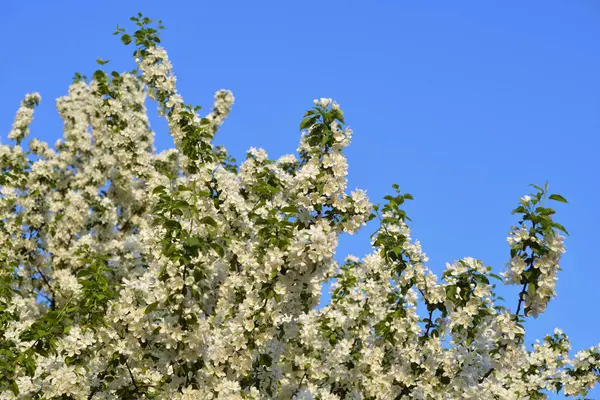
(183, 275)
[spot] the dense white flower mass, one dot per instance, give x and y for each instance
(127, 274)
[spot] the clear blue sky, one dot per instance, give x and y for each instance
(462, 103)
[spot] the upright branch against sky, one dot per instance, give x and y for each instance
(126, 274)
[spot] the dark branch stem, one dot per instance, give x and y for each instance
(521, 299)
(50, 290)
(132, 378)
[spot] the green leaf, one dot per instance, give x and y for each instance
(306, 122)
(289, 209)
(84, 272)
(159, 189)
(559, 227)
(209, 221)
(198, 274)
(337, 114)
(193, 241)
(558, 197)
(171, 223)
(218, 249)
(101, 61)
(14, 387)
(151, 308)
(496, 276)
(126, 39)
(181, 204)
(451, 292)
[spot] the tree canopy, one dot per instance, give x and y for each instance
(126, 273)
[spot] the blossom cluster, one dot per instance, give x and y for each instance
(127, 274)
(24, 117)
(536, 248)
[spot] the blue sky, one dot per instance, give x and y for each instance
(463, 104)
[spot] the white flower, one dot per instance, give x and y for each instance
(323, 102)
